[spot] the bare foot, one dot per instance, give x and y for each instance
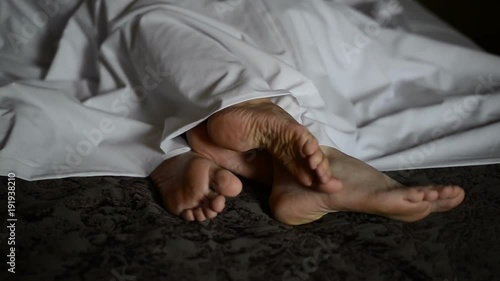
(256, 165)
(364, 190)
(194, 187)
(262, 124)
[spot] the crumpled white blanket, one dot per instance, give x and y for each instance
(108, 87)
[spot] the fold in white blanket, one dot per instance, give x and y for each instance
(127, 78)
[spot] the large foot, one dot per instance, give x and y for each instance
(262, 124)
(256, 165)
(364, 190)
(194, 187)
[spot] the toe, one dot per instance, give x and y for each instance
(188, 215)
(225, 182)
(446, 192)
(452, 191)
(456, 197)
(431, 193)
(199, 215)
(458, 192)
(413, 195)
(209, 213)
(316, 159)
(217, 204)
(323, 171)
(304, 177)
(438, 192)
(311, 146)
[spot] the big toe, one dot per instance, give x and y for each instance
(225, 183)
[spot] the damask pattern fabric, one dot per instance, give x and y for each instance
(114, 228)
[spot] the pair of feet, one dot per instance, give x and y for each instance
(195, 184)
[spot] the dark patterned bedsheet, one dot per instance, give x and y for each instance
(114, 228)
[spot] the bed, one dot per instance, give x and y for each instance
(115, 228)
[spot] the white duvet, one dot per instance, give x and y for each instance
(107, 87)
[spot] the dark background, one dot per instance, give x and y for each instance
(479, 20)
